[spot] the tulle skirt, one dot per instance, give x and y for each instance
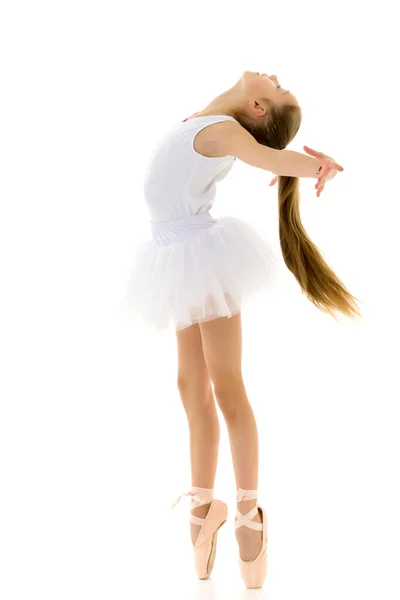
(196, 269)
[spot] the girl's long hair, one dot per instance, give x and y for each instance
(302, 257)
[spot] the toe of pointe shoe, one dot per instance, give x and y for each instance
(202, 557)
(254, 572)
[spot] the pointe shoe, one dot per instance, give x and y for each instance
(254, 571)
(205, 545)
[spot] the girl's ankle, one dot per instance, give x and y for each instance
(246, 505)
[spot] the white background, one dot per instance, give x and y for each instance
(93, 436)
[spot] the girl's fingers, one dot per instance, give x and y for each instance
(334, 165)
(313, 152)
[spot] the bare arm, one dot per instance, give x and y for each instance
(235, 140)
(295, 164)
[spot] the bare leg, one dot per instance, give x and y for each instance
(222, 346)
(199, 403)
(243, 437)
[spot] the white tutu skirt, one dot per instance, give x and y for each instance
(188, 275)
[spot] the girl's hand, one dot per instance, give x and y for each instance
(329, 168)
(328, 171)
(274, 180)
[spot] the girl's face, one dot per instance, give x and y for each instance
(260, 85)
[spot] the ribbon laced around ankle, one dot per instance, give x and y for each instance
(200, 496)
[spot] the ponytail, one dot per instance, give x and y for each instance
(302, 257)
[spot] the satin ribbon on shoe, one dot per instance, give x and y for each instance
(199, 497)
(242, 494)
(247, 519)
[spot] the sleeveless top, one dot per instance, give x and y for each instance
(180, 182)
(196, 267)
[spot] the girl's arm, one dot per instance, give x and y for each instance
(293, 164)
(234, 140)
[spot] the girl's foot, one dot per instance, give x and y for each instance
(207, 516)
(249, 540)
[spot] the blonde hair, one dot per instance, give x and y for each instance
(302, 257)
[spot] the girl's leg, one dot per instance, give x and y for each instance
(199, 403)
(222, 347)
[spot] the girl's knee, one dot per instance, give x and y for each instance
(231, 395)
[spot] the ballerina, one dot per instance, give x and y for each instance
(198, 271)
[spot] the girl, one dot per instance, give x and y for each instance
(198, 271)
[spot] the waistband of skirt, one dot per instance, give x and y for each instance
(182, 221)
